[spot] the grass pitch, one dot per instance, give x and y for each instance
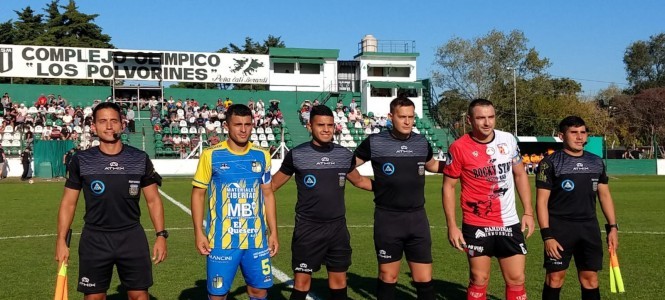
(28, 222)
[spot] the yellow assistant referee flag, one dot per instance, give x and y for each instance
(61, 291)
(616, 281)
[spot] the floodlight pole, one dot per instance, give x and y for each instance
(514, 95)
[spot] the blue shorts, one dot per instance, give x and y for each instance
(223, 265)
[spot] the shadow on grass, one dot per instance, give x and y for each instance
(121, 294)
(362, 287)
(200, 291)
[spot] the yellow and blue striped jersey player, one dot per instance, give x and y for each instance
(233, 179)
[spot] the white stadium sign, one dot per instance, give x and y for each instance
(107, 64)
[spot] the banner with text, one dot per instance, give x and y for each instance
(122, 64)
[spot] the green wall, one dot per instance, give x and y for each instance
(631, 167)
(28, 93)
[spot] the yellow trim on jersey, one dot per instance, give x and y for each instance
(213, 216)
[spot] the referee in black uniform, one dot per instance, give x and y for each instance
(399, 160)
(112, 177)
(567, 185)
(320, 235)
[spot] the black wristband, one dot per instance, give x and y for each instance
(546, 234)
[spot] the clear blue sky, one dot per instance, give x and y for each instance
(584, 40)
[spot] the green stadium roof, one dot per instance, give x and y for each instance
(304, 53)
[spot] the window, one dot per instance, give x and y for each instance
(410, 93)
(284, 67)
(381, 92)
(310, 68)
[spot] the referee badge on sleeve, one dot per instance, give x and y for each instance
(133, 189)
(421, 170)
(342, 180)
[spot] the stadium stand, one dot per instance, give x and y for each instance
(173, 128)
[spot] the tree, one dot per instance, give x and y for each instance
(54, 26)
(645, 63)
(79, 29)
(28, 27)
(7, 33)
(474, 67)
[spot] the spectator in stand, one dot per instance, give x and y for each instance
(227, 102)
(67, 119)
(46, 133)
(177, 142)
(340, 104)
(250, 104)
(205, 114)
(167, 140)
(260, 105)
(274, 105)
(316, 102)
(353, 115)
(304, 114)
(74, 136)
(130, 120)
(185, 141)
(157, 128)
(56, 133)
(65, 133)
(353, 105)
(28, 136)
(41, 101)
(30, 120)
(154, 114)
(2, 109)
(213, 140)
(61, 101)
(194, 141)
(153, 102)
(6, 100)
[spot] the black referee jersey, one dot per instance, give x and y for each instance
(573, 182)
(399, 169)
(111, 186)
(320, 178)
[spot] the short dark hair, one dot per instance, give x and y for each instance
(400, 101)
(320, 110)
(103, 105)
(240, 110)
(571, 121)
(478, 102)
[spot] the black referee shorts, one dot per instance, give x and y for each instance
(397, 232)
(318, 243)
(579, 239)
(99, 251)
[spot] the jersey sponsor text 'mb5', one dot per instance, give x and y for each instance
(486, 173)
(235, 200)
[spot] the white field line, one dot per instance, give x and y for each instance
(281, 276)
(28, 236)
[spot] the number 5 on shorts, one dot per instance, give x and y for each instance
(265, 266)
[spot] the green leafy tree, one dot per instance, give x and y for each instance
(54, 26)
(28, 27)
(645, 63)
(79, 29)
(7, 33)
(473, 67)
